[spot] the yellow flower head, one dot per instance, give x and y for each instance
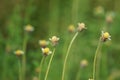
(84, 63)
(109, 19)
(54, 40)
(71, 28)
(81, 26)
(19, 52)
(43, 43)
(99, 10)
(29, 28)
(46, 51)
(105, 36)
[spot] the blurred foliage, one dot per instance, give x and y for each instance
(52, 17)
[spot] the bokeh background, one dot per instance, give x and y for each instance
(53, 17)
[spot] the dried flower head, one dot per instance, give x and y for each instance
(43, 43)
(81, 26)
(29, 28)
(84, 63)
(54, 40)
(46, 51)
(105, 36)
(19, 52)
(71, 28)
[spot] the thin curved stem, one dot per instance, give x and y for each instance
(78, 74)
(48, 68)
(40, 67)
(24, 57)
(20, 72)
(68, 50)
(95, 58)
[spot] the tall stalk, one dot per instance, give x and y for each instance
(95, 57)
(40, 67)
(68, 51)
(48, 68)
(24, 56)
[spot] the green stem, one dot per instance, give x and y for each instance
(40, 67)
(95, 58)
(78, 75)
(24, 57)
(20, 71)
(68, 50)
(48, 68)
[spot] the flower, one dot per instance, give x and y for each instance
(109, 19)
(19, 52)
(29, 28)
(81, 26)
(98, 11)
(105, 36)
(43, 43)
(71, 28)
(54, 40)
(46, 51)
(84, 63)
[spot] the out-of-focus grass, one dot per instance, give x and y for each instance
(52, 17)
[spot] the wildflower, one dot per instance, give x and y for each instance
(71, 28)
(109, 19)
(81, 26)
(98, 11)
(43, 43)
(54, 40)
(46, 51)
(29, 28)
(84, 63)
(19, 52)
(105, 36)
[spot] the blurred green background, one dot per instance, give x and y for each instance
(53, 17)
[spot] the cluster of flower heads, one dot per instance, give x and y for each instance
(43, 43)
(81, 27)
(28, 28)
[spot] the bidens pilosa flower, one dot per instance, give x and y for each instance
(84, 63)
(71, 28)
(19, 52)
(29, 28)
(46, 51)
(43, 43)
(81, 26)
(105, 36)
(54, 40)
